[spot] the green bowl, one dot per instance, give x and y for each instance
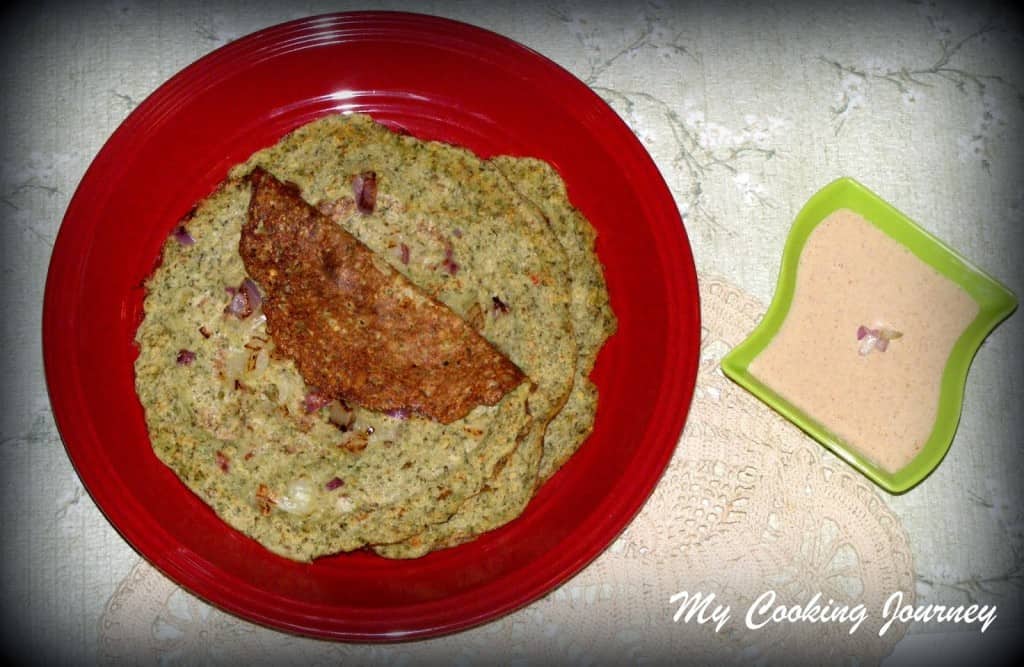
(996, 303)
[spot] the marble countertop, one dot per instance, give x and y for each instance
(747, 108)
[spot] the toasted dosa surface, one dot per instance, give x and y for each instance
(537, 458)
(357, 329)
(454, 226)
(232, 424)
(592, 316)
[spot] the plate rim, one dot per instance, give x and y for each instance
(58, 348)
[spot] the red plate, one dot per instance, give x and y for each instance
(439, 80)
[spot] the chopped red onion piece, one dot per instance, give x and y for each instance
(364, 187)
(405, 254)
(875, 339)
(868, 342)
(398, 413)
(449, 263)
(182, 236)
(185, 357)
(245, 299)
(223, 462)
(334, 484)
(314, 401)
(238, 305)
(252, 293)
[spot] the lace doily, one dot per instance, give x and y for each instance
(747, 505)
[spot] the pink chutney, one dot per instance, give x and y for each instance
(881, 402)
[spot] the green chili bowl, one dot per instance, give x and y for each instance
(995, 300)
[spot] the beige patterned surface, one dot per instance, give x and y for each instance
(747, 109)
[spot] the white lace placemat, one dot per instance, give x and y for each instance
(747, 508)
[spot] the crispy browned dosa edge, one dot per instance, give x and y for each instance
(357, 329)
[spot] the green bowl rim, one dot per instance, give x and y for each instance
(995, 300)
